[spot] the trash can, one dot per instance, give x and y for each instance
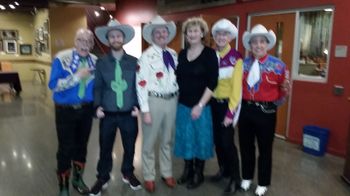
(315, 140)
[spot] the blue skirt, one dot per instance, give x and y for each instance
(193, 138)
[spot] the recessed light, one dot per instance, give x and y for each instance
(12, 6)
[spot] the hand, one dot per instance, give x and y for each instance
(147, 119)
(227, 121)
(100, 113)
(196, 112)
(285, 87)
(135, 112)
(84, 73)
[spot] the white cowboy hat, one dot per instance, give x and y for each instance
(225, 25)
(101, 32)
(158, 22)
(259, 30)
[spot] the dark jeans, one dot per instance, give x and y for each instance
(255, 123)
(73, 130)
(225, 148)
(108, 129)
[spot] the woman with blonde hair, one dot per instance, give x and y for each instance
(197, 75)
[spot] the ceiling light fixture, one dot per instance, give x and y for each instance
(16, 3)
(102, 8)
(110, 16)
(328, 9)
(12, 6)
(2, 7)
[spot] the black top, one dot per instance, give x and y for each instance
(195, 76)
(104, 95)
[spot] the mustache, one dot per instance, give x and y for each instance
(117, 42)
(85, 49)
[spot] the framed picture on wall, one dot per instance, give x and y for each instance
(8, 34)
(25, 49)
(10, 46)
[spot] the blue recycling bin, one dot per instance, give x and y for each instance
(315, 140)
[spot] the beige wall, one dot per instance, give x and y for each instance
(22, 22)
(64, 22)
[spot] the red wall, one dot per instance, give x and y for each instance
(312, 103)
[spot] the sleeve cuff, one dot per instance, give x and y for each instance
(145, 108)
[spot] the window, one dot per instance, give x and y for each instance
(314, 44)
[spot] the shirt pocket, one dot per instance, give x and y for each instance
(156, 65)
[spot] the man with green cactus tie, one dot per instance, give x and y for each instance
(116, 104)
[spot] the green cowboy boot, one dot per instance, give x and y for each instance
(63, 182)
(77, 181)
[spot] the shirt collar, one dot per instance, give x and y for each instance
(158, 49)
(262, 59)
(225, 51)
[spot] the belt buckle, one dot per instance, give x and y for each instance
(78, 106)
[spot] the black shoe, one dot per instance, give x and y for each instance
(132, 181)
(232, 186)
(98, 187)
(187, 174)
(218, 176)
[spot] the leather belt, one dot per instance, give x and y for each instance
(265, 106)
(73, 106)
(163, 95)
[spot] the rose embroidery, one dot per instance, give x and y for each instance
(142, 83)
(159, 75)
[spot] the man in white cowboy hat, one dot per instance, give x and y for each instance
(157, 91)
(225, 103)
(72, 82)
(265, 86)
(115, 103)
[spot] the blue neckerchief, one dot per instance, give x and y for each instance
(74, 65)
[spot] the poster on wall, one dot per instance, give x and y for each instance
(25, 49)
(10, 46)
(6, 34)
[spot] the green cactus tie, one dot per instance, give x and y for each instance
(119, 85)
(82, 83)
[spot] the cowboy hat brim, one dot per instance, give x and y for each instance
(148, 28)
(101, 33)
(270, 36)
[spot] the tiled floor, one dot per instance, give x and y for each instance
(28, 146)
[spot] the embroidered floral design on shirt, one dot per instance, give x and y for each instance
(159, 75)
(142, 83)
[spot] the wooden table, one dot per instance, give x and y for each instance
(11, 78)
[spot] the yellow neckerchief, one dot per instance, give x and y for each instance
(224, 52)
